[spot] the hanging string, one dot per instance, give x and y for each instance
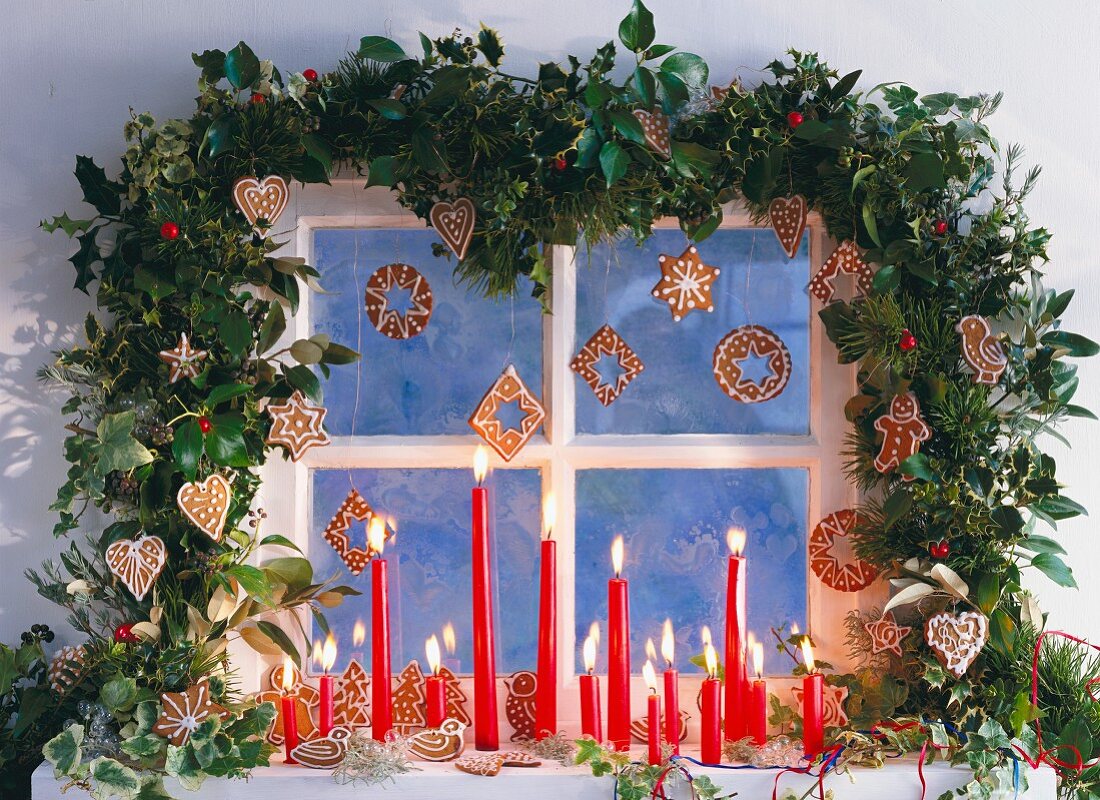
(359, 310)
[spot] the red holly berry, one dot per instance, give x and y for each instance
(560, 164)
(795, 118)
(169, 230)
(940, 549)
(258, 98)
(205, 425)
(124, 634)
(907, 341)
(310, 75)
(940, 227)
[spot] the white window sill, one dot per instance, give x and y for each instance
(897, 780)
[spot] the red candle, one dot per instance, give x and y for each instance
(328, 658)
(546, 701)
(813, 706)
(736, 726)
(618, 657)
(381, 698)
(672, 690)
(486, 736)
(758, 698)
(711, 733)
(435, 687)
(653, 713)
(289, 703)
(591, 724)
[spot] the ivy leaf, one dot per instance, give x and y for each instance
(924, 171)
(488, 42)
(117, 448)
(188, 447)
(636, 31)
(689, 68)
(99, 192)
(212, 64)
(613, 161)
(429, 152)
(242, 68)
(119, 694)
(152, 788)
(1054, 568)
(63, 750)
(379, 48)
(225, 441)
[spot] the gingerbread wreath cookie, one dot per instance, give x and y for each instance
(387, 320)
(754, 341)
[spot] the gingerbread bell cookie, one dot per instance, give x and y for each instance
(751, 341)
(383, 316)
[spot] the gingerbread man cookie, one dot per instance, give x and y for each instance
(981, 350)
(753, 341)
(903, 430)
(388, 320)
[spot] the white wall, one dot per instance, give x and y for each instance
(69, 70)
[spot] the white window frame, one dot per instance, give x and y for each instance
(559, 453)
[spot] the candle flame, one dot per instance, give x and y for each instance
(449, 638)
(589, 654)
(617, 555)
(668, 643)
(288, 675)
(794, 629)
(758, 659)
(391, 523)
(317, 653)
(808, 655)
(431, 650)
(650, 650)
(650, 676)
(376, 534)
(711, 659)
(704, 634)
(594, 631)
(481, 463)
(549, 514)
(735, 540)
(358, 633)
(328, 653)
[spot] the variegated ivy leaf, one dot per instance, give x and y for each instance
(112, 779)
(64, 751)
(181, 764)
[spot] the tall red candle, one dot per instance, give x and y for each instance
(736, 726)
(672, 688)
(435, 686)
(618, 655)
(758, 698)
(328, 658)
(289, 703)
(381, 687)
(591, 724)
(486, 736)
(546, 699)
(710, 735)
(813, 706)
(653, 714)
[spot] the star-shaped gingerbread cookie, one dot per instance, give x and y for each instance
(183, 360)
(685, 283)
(183, 712)
(886, 634)
(297, 425)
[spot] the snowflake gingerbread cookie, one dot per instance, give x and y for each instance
(685, 283)
(182, 712)
(183, 360)
(903, 429)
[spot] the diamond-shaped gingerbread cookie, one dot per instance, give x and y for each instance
(508, 388)
(607, 342)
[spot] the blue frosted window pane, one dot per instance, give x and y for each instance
(429, 564)
(677, 392)
(674, 524)
(431, 383)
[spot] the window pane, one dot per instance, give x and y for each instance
(674, 524)
(430, 383)
(677, 391)
(429, 563)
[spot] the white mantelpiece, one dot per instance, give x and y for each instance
(897, 781)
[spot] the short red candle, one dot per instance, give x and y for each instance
(758, 711)
(486, 735)
(653, 716)
(380, 684)
(736, 688)
(711, 733)
(546, 701)
(290, 725)
(618, 658)
(591, 724)
(813, 718)
(672, 709)
(325, 686)
(435, 689)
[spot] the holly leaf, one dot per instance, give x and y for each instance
(488, 42)
(636, 31)
(236, 332)
(187, 447)
(689, 68)
(924, 171)
(242, 68)
(117, 448)
(85, 259)
(379, 48)
(225, 441)
(99, 192)
(380, 172)
(613, 161)
(71, 226)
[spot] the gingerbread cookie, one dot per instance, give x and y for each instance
(409, 712)
(183, 360)
(261, 200)
(182, 712)
(520, 707)
(439, 744)
(845, 259)
(788, 219)
(606, 342)
(337, 532)
(886, 634)
(389, 321)
(981, 350)
(507, 388)
(639, 728)
(838, 570)
(686, 283)
(487, 766)
(517, 758)
(455, 224)
(754, 341)
(956, 639)
(297, 425)
(206, 504)
(351, 698)
(455, 697)
(903, 430)
(324, 752)
(306, 703)
(137, 563)
(832, 701)
(657, 130)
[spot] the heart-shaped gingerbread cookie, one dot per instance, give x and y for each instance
(206, 504)
(788, 218)
(455, 223)
(258, 199)
(956, 639)
(657, 130)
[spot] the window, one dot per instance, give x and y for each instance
(671, 464)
